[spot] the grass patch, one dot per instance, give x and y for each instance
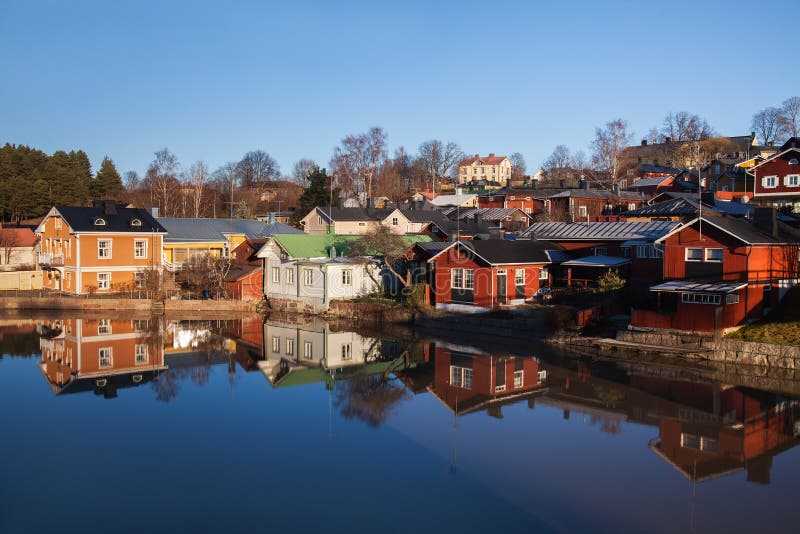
(781, 326)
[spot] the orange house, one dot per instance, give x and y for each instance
(102, 355)
(102, 248)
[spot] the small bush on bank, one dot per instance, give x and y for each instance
(781, 326)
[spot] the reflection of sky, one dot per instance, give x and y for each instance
(237, 453)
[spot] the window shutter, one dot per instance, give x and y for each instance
(764, 182)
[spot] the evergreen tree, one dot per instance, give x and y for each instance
(316, 193)
(108, 182)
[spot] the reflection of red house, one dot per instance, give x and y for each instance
(483, 274)
(720, 271)
(467, 383)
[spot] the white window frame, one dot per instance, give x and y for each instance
(395, 222)
(686, 254)
(457, 278)
(347, 351)
(276, 344)
(461, 377)
(347, 277)
(290, 276)
(544, 274)
(732, 298)
(136, 254)
(709, 259)
(308, 277)
(631, 206)
(103, 281)
(519, 277)
(276, 275)
(100, 249)
(103, 327)
(57, 223)
(308, 350)
(769, 182)
(582, 211)
(701, 298)
(289, 346)
(141, 357)
(106, 353)
(789, 178)
(139, 279)
(469, 279)
(519, 378)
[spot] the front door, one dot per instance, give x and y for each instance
(502, 286)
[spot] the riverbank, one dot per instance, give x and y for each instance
(61, 303)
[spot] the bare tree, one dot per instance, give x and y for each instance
(768, 125)
(198, 176)
(559, 159)
(162, 181)
(257, 167)
(226, 177)
(357, 160)
(439, 160)
(518, 166)
(131, 180)
(392, 247)
(302, 169)
(607, 146)
(685, 126)
(579, 161)
(8, 244)
(790, 115)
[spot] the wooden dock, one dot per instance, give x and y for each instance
(643, 347)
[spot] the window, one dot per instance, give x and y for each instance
(541, 376)
(631, 206)
(519, 277)
(319, 221)
(276, 275)
(289, 346)
(601, 251)
(68, 248)
(457, 278)
(347, 277)
(136, 222)
(140, 248)
(700, 298)
(792, 180)
(732, 298)
(103, 280)
(139, 279)
(99, 221)
(141, 354)
(519, 378)
(582, 211)
(714, 254)
(140, 325)
(469, 279)
(641, 251)
(308, 277)
(694, 254)
(362, 224)
(57, 223)
(104, 249)
(528, 211)
(290, 276)
(460, 377)
(690, 441)
(769, 181)
(106, 357)
(347, 351)
(394, 221)
(68, 279)
(276, 344)
(103, 326)
(307, 350)
(544, 274)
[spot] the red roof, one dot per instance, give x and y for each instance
(491, 159)
(23, 237)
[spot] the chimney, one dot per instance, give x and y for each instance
(561, 183)
(766, 220)
(110, 207)
(667, 139)
(491, 154)
(154, 212)
(644, 142)
(584, 184)
(752, 135)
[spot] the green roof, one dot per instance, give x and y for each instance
(300, 376)
(318, 245)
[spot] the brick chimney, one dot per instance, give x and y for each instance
(491, 154)
(766, 220)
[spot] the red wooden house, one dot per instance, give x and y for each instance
(469, 275)
(720, 272)
(777, 180)
(244, 281)
(591, 204)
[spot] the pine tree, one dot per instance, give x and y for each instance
(317, 193)
(108, 182)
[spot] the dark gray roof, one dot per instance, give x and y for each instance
(675, 206)
(598, 193)
(355, 214)
(82, 219)
(504, 251)
(646, 168)
(649, 182)
(611, 231)
(750, 234)
(486, 214)
(423, 216)
(183, 230)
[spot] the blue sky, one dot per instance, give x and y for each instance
(213, 80)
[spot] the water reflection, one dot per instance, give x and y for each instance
(702, 428)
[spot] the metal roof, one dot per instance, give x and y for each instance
(597, 261)
(649, 182)
(622, 231)
(189, 230)
(699, 287)
(487, 214)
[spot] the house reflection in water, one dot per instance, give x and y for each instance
(466, 381)
(295, 354)
(100, 355)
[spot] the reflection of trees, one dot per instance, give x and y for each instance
(168, 384)
(610, 425)
(369, 398)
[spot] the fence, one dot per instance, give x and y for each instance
(20, 281)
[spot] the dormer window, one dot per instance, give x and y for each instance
(793, 161)
(136, 223)
(99, 221)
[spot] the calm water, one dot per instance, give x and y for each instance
(138, 425)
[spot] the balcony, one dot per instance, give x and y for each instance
(51, 260)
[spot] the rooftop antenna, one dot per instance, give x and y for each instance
(699, 191)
